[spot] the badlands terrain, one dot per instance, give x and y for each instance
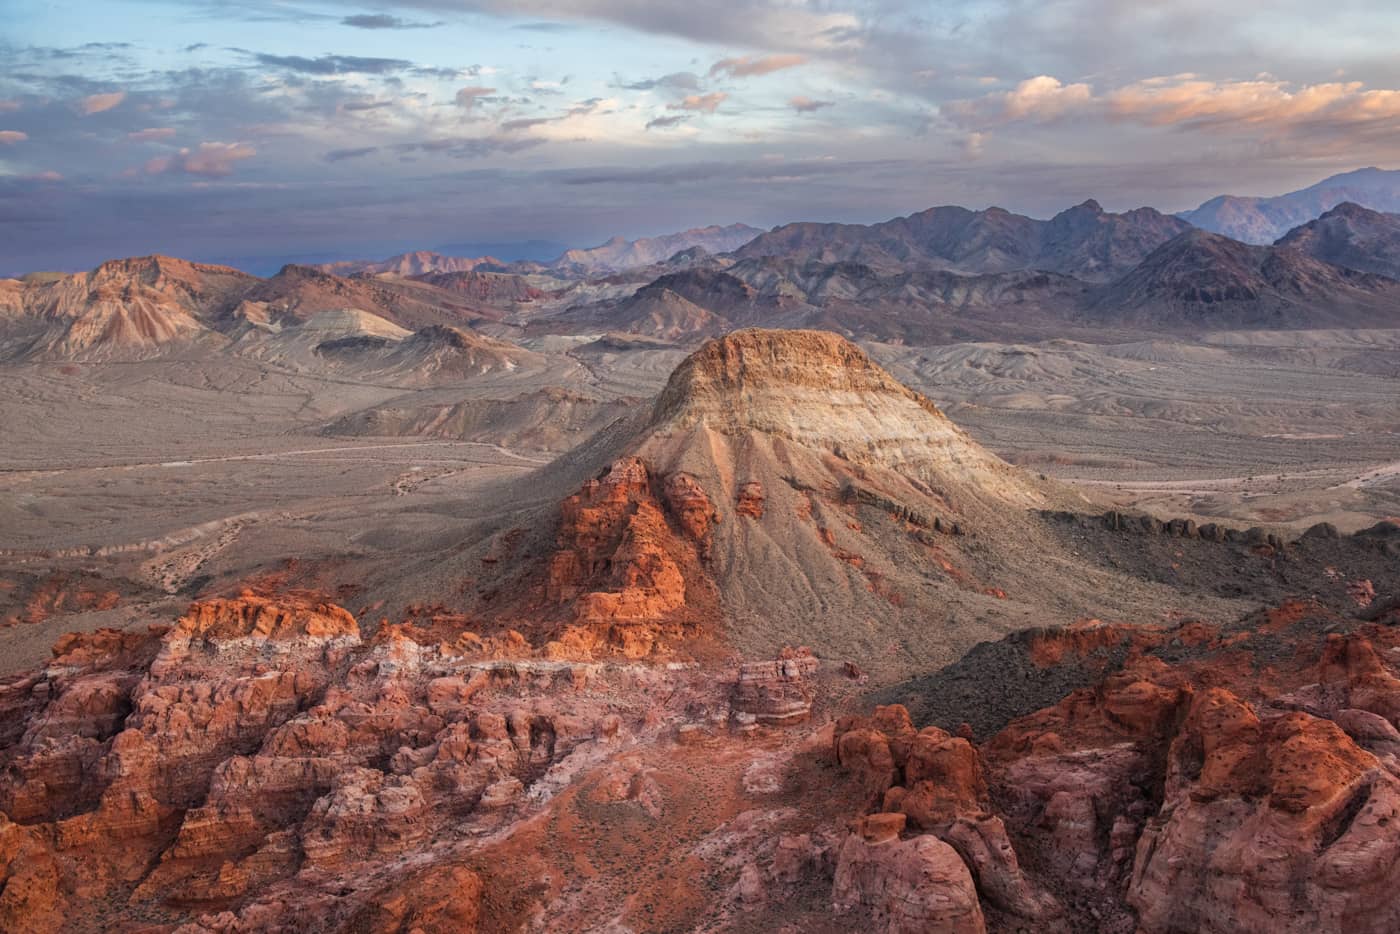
(1015, 575)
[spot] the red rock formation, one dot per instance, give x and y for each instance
(1163, 801)
(904, 886)
(775, 692)
(626, 573)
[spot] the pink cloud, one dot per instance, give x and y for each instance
(8, 106)
(748, 66)
(1187, 101)
(97, 103)
(701, 103)
(1041, 99)
(10, 137)
(210, 160)
(151, 133)
(805, 105)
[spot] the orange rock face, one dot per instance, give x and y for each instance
(629, 561)
(1205, 795)
(258, 764)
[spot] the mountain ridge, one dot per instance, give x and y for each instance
(1263, 220)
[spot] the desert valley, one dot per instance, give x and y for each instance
(964, 572)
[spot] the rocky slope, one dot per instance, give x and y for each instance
(547, 420)
(915, 305)
(1352, 237)
(436, 352)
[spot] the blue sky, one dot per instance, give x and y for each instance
(250, 131)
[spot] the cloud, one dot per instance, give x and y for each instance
(468, 147)
(749, 66)
(9, 106)
(151, 133)
(666, 123)
(1041, 99)
(10, 137)
(789, 25)
(526, 123)
(360, 105)
(48, 175)
(1260, 106)
(340, 155)
(97, 103)
(703, 173)
(383, 21)
(334, 64)
(805, 105)
(676, 81)
(544, 27)
(467, 97)
(1185, 100)
(210, 160)
(701, 103)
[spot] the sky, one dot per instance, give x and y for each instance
(259, 131)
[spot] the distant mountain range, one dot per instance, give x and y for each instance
(943, 274)
(616, 255)
(1084, 241)
(1265, 220)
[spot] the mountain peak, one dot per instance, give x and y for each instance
(1349, 209)
(734, 370)
(817, 392)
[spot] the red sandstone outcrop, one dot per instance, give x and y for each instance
(778, 692)
(628, 561)
(1154, 801)
(904, 886)
(257, 763)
